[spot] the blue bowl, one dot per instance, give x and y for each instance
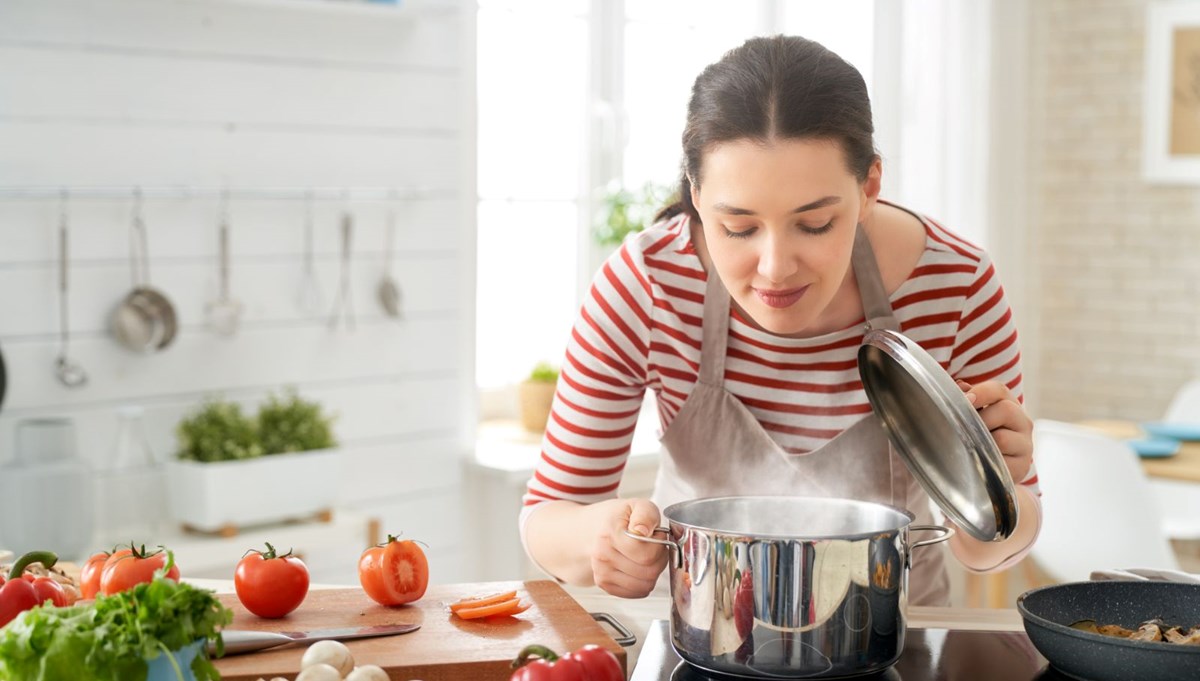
(1154, 447)
(161, 669)
(1176, 431)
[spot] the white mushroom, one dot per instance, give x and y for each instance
(368, 673)
(319, 672)
(332, 653)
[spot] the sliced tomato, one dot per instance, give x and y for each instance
(503, 608)
(482, 601)
(394, 573)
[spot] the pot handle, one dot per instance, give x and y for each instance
(947, 532)
(675, 552)
(626, 637)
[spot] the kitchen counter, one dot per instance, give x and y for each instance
(639, 615)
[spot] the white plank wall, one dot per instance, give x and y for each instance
(251, 94)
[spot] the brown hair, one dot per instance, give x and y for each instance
(769, 88)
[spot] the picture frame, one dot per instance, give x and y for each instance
(1171, 112)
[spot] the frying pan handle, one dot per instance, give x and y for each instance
(675, 551)
(947, 532)
(626, 636)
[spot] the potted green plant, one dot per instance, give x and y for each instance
(232, 470)
(623, 211)
(536, 394)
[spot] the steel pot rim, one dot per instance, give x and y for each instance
(666, 514)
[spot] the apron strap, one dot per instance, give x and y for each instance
(876, 307)
(878, 311)
(715, 335)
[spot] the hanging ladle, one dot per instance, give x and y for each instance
(69, 372)
(310, 292)
(343, 306)
(224, 312)
(389, 288)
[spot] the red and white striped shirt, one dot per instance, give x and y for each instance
(640, 327)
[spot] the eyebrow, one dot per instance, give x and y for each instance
(819, 203)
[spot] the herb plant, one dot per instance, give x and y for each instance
(218, 432)
(288, 423)
(544, 372)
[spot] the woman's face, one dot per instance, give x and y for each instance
(779, 222)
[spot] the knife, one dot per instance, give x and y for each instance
(243, 641)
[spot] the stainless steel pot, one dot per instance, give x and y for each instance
(789, 587)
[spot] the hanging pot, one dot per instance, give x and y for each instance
(144, 320)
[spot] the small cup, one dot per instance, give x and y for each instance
(45, 440)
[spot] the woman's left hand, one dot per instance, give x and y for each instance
(1011, 427)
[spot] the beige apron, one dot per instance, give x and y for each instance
(716, 447)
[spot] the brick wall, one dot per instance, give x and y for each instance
(1118, 259)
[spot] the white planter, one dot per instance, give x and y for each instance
(216, 496)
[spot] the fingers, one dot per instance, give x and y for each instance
(624, 586)
(622, 565)
(643, 516)
(1011, 427)
(985, 393)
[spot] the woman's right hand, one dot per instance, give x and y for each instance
(621, 565)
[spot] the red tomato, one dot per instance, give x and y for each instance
(270, 585)
(395, 572)
(127, 568)
(89, 577)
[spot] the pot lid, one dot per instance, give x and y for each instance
(939, 434)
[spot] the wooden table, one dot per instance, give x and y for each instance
(1183, 467)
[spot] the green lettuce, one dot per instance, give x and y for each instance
(112, 639)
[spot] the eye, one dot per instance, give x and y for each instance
(739, 234)
(817, 230)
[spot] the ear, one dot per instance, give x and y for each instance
(870, 188)
(695, 193)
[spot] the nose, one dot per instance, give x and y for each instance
(777, 260)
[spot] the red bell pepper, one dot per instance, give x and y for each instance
(24, 592)
(589, 663)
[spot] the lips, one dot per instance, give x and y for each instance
(780, 298)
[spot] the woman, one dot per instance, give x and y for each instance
(743, 310)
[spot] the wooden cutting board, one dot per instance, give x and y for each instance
(445, 648)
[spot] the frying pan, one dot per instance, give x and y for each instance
(1049, 611)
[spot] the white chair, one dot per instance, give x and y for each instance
(1099, 509)
(1180, 500)
(1185, 405)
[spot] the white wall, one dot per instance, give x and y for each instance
(250, 94)
(1119, 258)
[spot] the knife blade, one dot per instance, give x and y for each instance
(239, 641)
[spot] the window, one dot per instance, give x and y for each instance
(572, 96)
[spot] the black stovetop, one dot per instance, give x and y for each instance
(929, 655)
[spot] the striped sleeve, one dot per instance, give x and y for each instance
(600, 387)
(985, 346)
